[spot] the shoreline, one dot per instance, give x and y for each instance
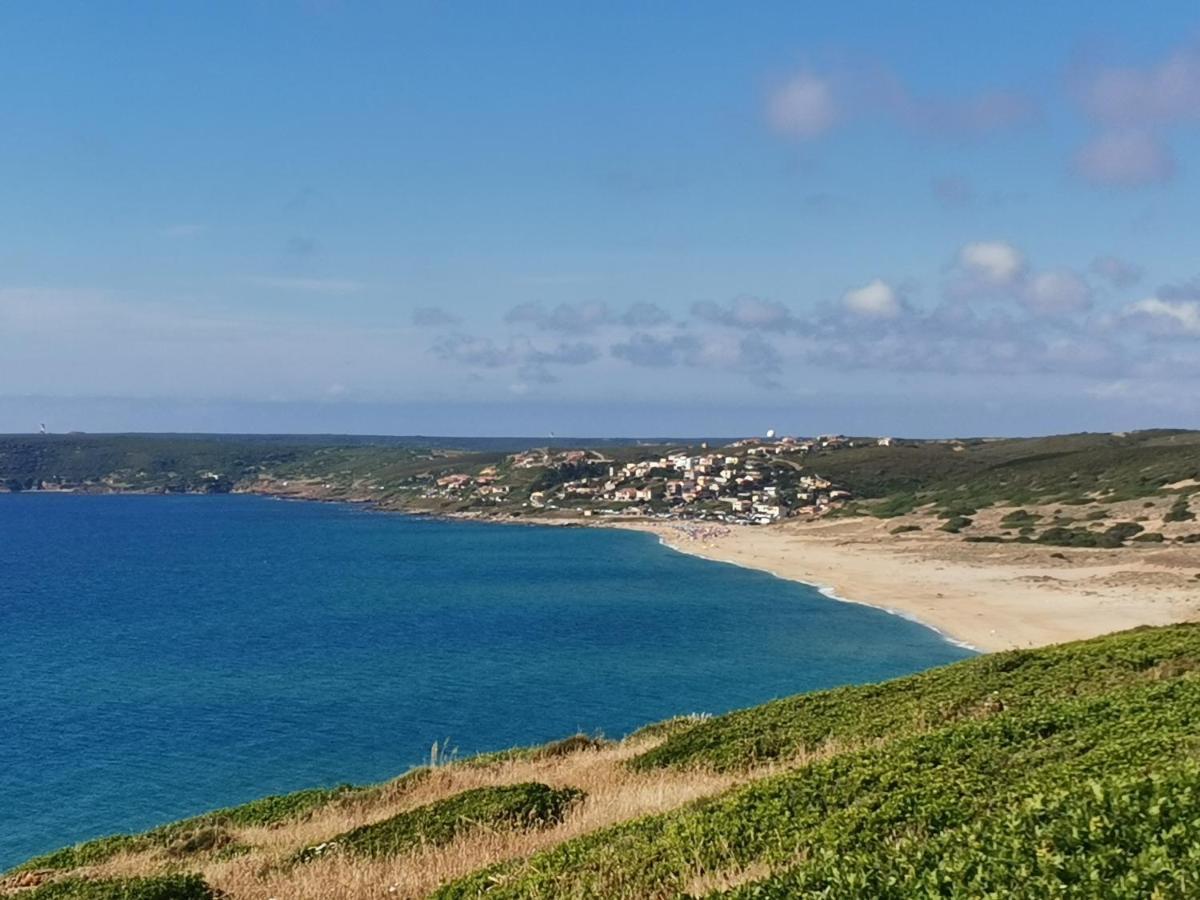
(830, 592)
(982, 597)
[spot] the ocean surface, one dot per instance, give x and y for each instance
(161, 656)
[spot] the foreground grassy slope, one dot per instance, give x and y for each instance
(1070, 771)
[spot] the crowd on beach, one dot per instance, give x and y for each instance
(700, 532)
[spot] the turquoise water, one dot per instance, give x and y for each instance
(160, 656)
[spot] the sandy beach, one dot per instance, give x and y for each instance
(988, 596)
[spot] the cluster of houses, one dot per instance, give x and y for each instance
(755, 481)
(483, 486)
(739, 483)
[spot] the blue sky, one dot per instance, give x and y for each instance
(685, 218)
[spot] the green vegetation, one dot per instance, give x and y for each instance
(517, 806)
(1019, 518)
(1116, 536)
(1179, 511)
(1067, 771)
(905, 529)
(1067, 469)
(955, 524)
(956, 478)
(164, 887)
(898, 505)
(207, 833)
(1070, 771)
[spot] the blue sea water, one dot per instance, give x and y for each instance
(160, 656)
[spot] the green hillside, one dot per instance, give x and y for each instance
(952, 480)
(1068, 771)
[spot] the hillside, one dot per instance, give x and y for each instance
(1068, 771)
(1085, 490)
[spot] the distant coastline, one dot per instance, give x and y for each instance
(979, 597)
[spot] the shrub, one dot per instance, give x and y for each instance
(899, 505)
(1019, 518)
(1179, 511)
(955, 524)
(1060, 536)
(514, 807)
(165, 887)
(1123, 531)
(905, 529)
(1150, 537)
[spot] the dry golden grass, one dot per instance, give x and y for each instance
(614, 794)
(707, 883)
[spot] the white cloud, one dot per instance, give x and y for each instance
(876, 299)
(1056, 292)
(1183, 315)
(1126, 159)
(745, 312)
(995, 262)
(803, 107)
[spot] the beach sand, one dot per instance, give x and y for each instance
(988, 596)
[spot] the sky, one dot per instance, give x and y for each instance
(617, 219)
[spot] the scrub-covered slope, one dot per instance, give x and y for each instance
(1066, 771)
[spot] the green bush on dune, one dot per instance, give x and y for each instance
(1180, 510)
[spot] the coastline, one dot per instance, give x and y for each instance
(981, 597)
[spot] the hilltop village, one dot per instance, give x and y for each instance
(752, 481)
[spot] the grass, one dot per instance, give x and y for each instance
(954, 783)
(517, 806)
(211, 832)
(162, 887)
(1064, 771)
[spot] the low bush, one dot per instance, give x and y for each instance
(1060, 536)
(1019, 518)
(955, 524)
(1180, 510)
(905, 529)
(510, 807)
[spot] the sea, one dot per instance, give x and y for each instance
(161, 656)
